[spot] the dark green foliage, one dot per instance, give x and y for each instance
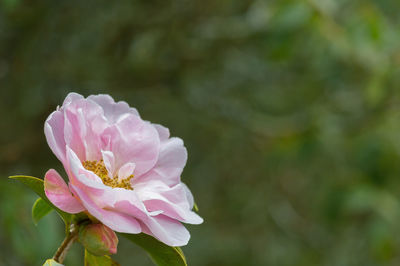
(161, 254)
(40, 209)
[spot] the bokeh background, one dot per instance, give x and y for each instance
(290, 110)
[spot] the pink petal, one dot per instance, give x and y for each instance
(189, 195)
(88, 181)
(134, 140)
(119, 222)
(71, 97)
(113, 111)
(173, 202)
(167, 230)
(73, 125)
(84, 123)
(109, 162)
(170, 164)
(58, 193)
(78, 173)
(163, 132)
(54, 131)
(126, 170)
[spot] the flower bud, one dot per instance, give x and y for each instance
(98, 239)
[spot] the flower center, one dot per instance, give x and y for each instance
(100, 170)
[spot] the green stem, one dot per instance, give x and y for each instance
(66, 244)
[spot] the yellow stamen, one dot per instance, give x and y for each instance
(100, 170)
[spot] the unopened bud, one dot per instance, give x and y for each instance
(98, 239)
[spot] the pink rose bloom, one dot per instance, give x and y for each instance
(122, 170)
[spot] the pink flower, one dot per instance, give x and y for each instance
(122, 170)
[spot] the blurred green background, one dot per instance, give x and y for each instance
(290, 111)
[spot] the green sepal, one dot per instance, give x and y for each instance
(51, 262)
(40, 209)
(160, 253)
(92, 260)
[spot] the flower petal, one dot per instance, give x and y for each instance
(88, 181)
(173, 202)
(77, 173)
(84, 123)
(54, 132)
(134, 140)
(189, 195)
(163, 132)
(126, 170)
(167, 230)
(71, 97)
(170, 164)
(109, 162)
(113, 111)
(58, 193)
(119, 222)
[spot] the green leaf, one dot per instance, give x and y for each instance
(195, 207)
(160, 253)
(40, 209)
(51, 262)
(92, 260)
(37, 186)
